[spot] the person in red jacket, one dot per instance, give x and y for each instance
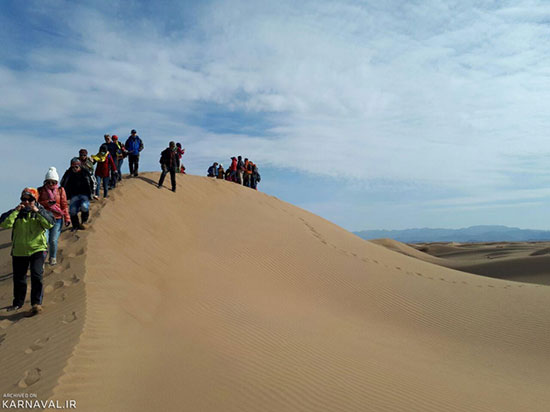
(105, 165)
(233, 169)
(54, 199)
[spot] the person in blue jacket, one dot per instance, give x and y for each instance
(134, 145)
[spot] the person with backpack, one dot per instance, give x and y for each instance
(29, 222)
(168, 162)
(78, 185)
(134, 145)
(119, 156)
(105, 167)
(213, 170)
(53, 198)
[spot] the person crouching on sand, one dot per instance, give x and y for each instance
(78, 185)
(29, 222)
(54, 200)
(168, 163)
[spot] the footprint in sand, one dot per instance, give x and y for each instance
(75, 279)
(2, 338)
(79, 252)
(6, 323)
(30, 378)
(61, 284)
(37, 345)
(69, 318)
(59, 298)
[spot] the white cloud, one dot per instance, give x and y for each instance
(433, 92)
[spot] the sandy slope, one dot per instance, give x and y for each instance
(517, 261)
(220, 298)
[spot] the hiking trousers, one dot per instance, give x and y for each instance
(20, 266)
(165, 171)
(133, 163)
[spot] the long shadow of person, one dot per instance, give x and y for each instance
(150, 181)
(14, 317)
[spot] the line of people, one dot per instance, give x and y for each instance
(245, 172)
(38, 219)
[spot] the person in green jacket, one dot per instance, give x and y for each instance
(29, 221)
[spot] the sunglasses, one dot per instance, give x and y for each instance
(27, 199)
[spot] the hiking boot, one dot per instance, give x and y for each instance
(36, 309)
(53, 261)
(13, 308)
(83, 226)
(174, 190)
(75, 221)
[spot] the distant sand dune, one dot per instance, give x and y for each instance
(220, 298)
(518, 261)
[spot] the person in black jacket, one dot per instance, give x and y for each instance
(78, 185)
(168, 163)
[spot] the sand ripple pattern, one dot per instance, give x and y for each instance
(227, 299)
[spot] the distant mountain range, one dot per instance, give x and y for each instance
(490, 233)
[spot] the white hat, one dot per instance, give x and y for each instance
(221, 165)
(52, 174)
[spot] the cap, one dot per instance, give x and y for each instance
(30, 191)
(133, 131)
(114, 137)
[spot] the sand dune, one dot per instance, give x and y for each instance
(518, 261)
(220, 298)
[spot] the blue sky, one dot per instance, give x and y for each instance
(374, 115)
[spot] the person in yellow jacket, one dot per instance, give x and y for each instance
(29, 222)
